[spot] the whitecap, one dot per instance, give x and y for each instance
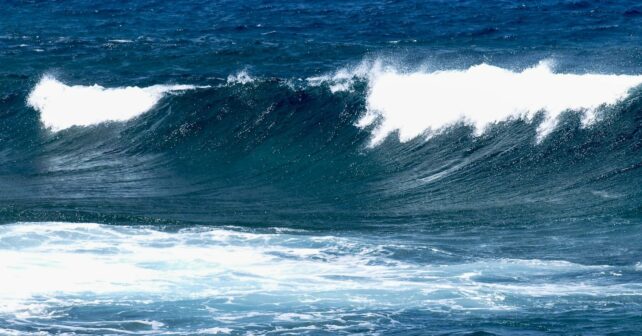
(242, 77)
(62, 106)
(421, 102)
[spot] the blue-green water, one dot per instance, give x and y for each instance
(323, 168)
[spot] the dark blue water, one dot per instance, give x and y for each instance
(259, 168)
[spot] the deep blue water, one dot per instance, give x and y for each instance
(258, 198)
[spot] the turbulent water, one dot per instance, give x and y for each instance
(258, 168)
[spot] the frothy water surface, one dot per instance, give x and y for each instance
(230, 279)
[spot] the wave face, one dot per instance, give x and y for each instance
(369, 167)
(382, 139)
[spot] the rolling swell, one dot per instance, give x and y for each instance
(269, 151)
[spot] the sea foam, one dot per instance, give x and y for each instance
(49, 265)
(62, 106)
(242, 77)
(424, 103)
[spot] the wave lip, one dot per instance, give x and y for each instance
(420, 102)
(62, 106)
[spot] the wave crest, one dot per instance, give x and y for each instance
(425, 102)
(62, 106)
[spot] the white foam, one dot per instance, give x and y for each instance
(344, 79)
(62, 106)
(215, 331)
(48, 266)
(242, 77)
(419, 103)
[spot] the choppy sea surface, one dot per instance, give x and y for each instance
(320, 168)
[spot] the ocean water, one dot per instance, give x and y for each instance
(320, 168)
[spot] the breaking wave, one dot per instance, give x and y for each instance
(349, 202)
(415, 103)
(408, 103)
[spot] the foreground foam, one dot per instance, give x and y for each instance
(228, 278)
(421, 103)
(51, 265)
(62, 106)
